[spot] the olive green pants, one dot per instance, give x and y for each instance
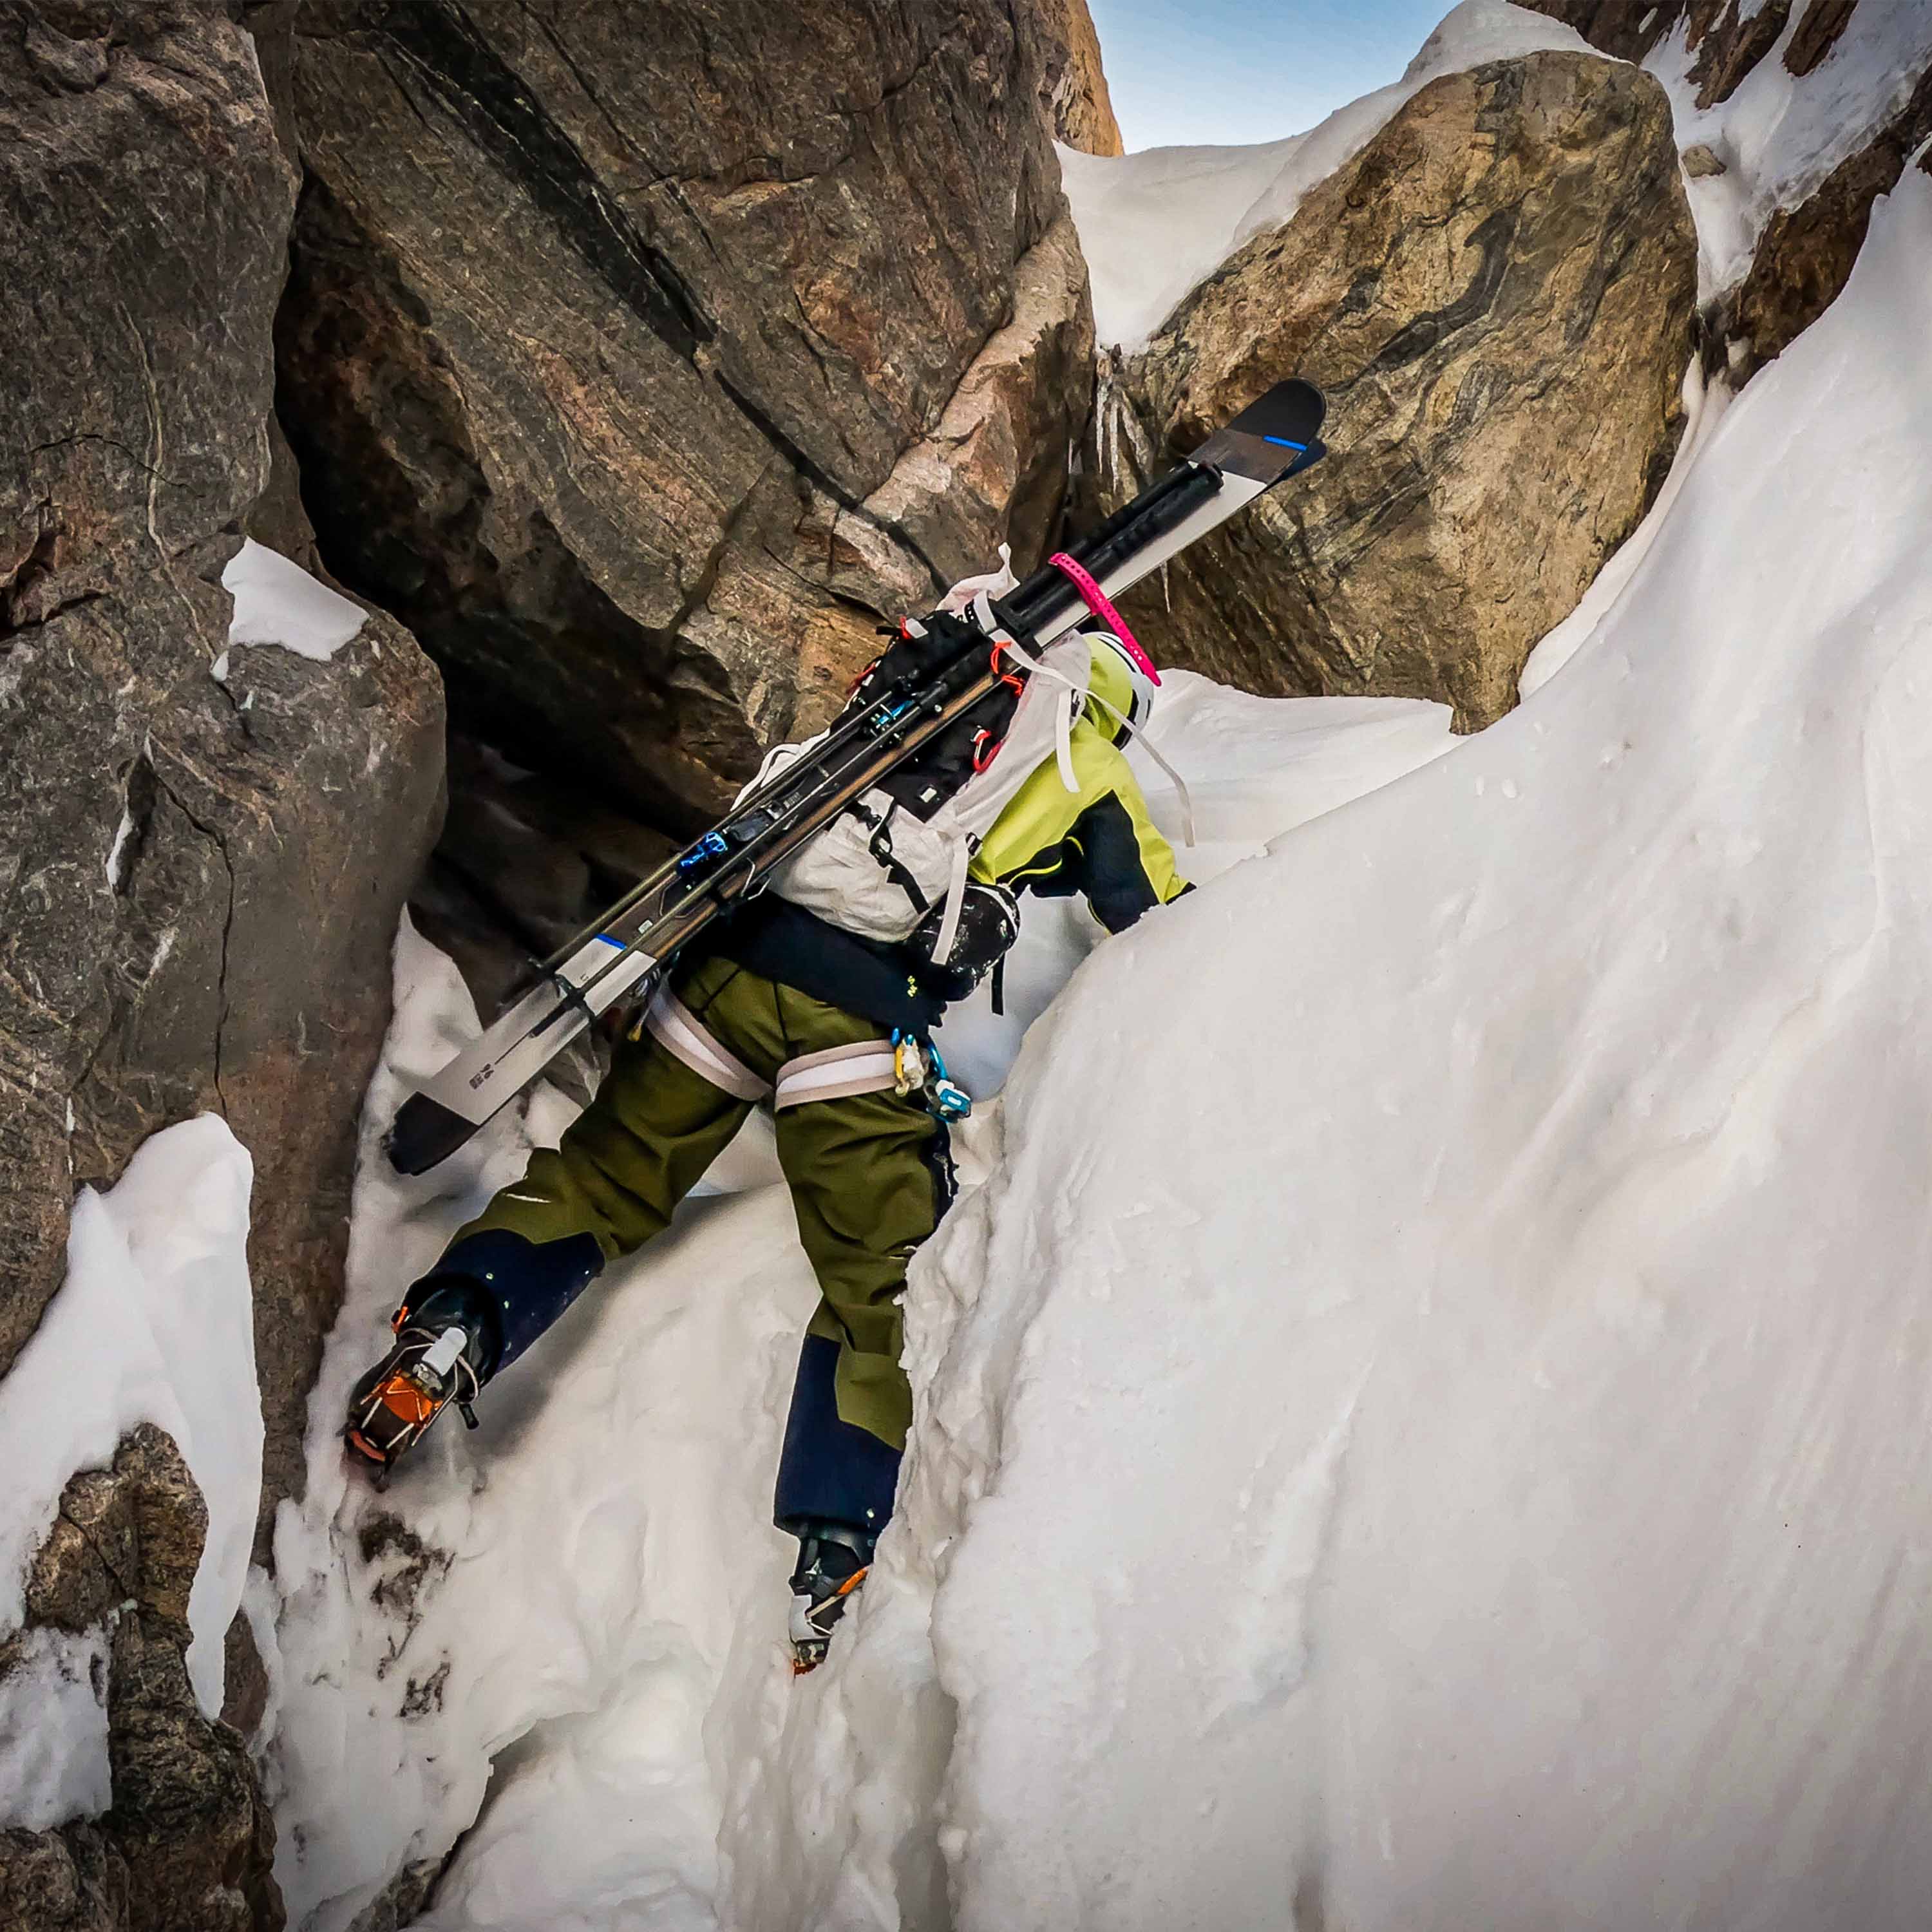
(869, 1173)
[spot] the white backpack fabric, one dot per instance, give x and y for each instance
(877, 870)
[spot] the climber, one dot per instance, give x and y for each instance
(792, 1005)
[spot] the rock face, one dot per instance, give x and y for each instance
(198, 881)
(1496, 296)
(1727, 40)
(618, 336)
(1079, 108)
(189, 1844)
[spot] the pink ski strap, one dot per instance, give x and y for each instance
(1096, 601)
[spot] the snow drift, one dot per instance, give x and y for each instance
(1452, 1452)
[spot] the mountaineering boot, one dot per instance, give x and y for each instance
(439, 1358)
(833, 1563)
(492, 1294)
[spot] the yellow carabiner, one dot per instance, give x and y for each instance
(908, 1066)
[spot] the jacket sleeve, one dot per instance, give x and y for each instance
(1126, 866)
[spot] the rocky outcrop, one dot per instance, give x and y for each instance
(1732, 45)
(1074, 97)
(198, 880)
(611, 332)
(188, 1844)
(1820, 28)
(1496, 295)
(1728, 40)
(1628, 29)
(1805, 256)
(996, 460)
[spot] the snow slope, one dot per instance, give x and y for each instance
(1471, 1404)
(1253, 767)
(588, 1592)
(1421, 1414)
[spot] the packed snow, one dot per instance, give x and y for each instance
(153, 1324)
(277, 602)
(1153, 224)
(53, 1731)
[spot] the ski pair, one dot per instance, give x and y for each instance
(635, 940)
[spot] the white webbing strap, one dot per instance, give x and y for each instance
(1072, 698)
(1069, 699)
(838, 1073)
(678, 1031)
(955, 901)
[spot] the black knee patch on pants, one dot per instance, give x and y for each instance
(830, 1471)
(515, 1288)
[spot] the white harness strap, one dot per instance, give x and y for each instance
(1071, 699)
(677, 1030)
(837, 1074)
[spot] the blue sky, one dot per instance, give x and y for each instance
(1186, 71)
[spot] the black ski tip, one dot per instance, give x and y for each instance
(424, 1132)
(1274, 436)
(1309, 456)
(1290, 412)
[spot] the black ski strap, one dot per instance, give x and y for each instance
(881, 847)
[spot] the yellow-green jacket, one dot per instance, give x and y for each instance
(1098, 839)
